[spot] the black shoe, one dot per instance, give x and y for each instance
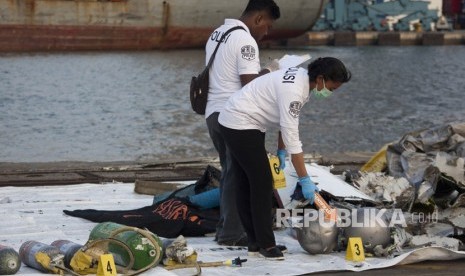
(253, 250)
(242, 241)
(272, 254)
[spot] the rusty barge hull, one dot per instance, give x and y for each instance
(24, 38)
(60, 25)
(62, 38)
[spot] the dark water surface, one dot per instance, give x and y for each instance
(94, 106)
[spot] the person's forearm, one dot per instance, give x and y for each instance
(245, 79)
(280, 141)
(299, 164)
(264, 71)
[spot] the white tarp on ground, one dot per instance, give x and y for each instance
(35, 213)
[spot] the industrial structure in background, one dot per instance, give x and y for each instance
(454, 11)
(390, 15)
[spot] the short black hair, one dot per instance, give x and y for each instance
(259, 5)
(330, 68)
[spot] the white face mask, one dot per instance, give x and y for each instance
(323, 93)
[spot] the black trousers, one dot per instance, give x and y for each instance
(254, 188)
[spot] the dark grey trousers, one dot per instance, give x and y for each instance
(229, 227)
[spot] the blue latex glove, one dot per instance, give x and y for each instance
(308, 188)
(282, 153)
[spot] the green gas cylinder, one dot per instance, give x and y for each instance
(143, 250)
(9, 261)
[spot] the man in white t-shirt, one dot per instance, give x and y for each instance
(236, 63)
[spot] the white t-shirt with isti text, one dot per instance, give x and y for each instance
(274, 99)
(238, 55)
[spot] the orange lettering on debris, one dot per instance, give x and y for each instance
(172, 209)
(330, 214)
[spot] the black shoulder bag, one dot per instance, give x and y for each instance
(200, 83)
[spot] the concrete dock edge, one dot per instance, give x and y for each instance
(349, 38)
(77, 172)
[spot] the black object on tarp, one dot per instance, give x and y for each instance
(170, 217)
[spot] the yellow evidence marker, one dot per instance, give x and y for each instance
(106, 265)
(355, 250)
(279, 180)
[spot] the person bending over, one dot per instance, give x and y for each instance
(273, 99)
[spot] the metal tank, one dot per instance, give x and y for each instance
(317, 237)
(373, 232)
(142, 249)
(9, 261)
(30, 250)
(68, 249)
